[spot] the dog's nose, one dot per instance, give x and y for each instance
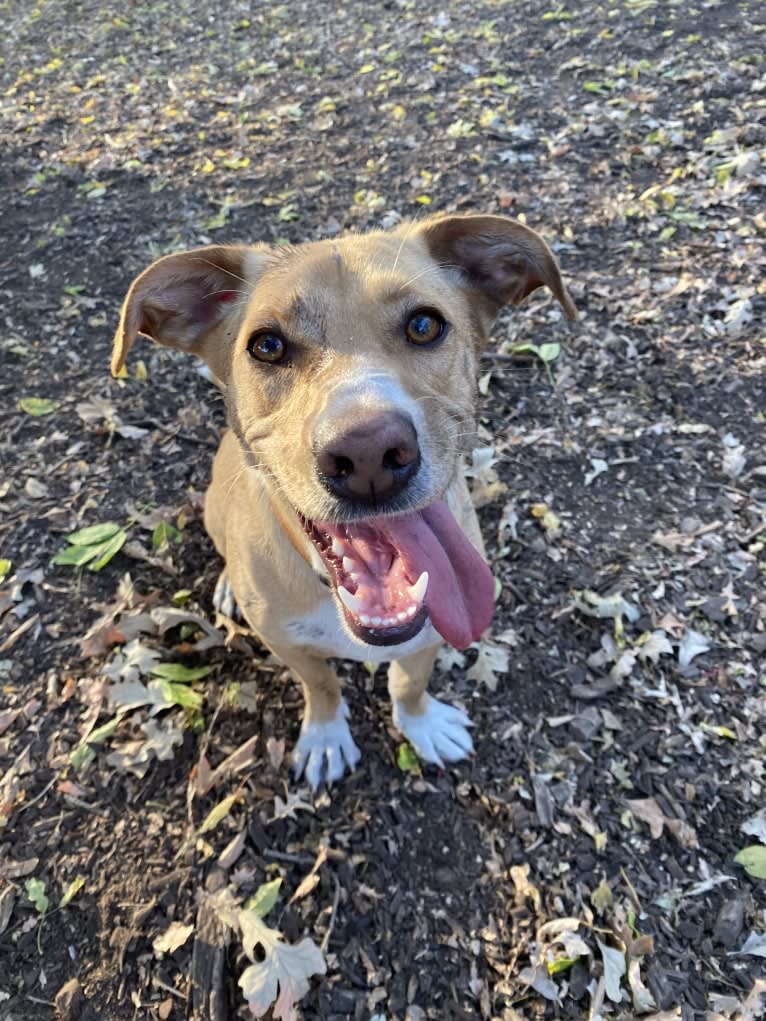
(371, 460)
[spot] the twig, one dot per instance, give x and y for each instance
(333, 913)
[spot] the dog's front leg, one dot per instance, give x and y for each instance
(436, 731)
(325, 748)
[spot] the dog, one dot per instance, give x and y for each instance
(338, 501)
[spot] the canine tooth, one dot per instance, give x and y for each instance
(377, 621)
(337, 547)
(349, 564)
(418, 590)
(349, 601)
(364, 619)
(401, 615)
(412, 610)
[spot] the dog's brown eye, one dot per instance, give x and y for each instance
(425, 328)
(266, 346)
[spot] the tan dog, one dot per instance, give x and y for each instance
(338, 500)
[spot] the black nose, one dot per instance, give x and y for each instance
(369, 460)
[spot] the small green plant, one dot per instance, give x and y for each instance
(95, 546)
(547, 353)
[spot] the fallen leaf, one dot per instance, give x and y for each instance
(264, 898)
(753, 859)
(282, 977)
(692, 644)
(71, 891)
(613, 606)
(491, 660)
(172, 938)
(218, 814)
(308, 883)
(287, 809)
(755, 944)
(654, 645)
(648, 811)
(614, 970)
(233, 850)
(38, 406)
(755, 826)
(134, 661)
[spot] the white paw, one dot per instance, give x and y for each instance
(325, 750)
(223, 596)
(438, 734)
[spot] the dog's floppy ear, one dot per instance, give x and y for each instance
(192, 301)
(498, 257)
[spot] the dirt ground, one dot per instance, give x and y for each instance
(582, 863)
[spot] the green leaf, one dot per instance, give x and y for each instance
(82, 756)
(76, 556)
(109, 550)
(753, 858)
(181, 597)
(548, 352)
(406, 759)
(218, 814)
(179, 672)
(264, 898)
(600, 88)
(93, 534)
(38, 406)
(164, 534)
(561, 965)
(180, 694)
(100, 734)
(35, 890)
(72, 890)
(5, 569)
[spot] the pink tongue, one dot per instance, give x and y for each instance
(461, 588)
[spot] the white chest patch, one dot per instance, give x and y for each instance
(324, 631)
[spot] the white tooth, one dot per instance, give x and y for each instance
(418, 590)
(364, 619)
(401, 615)
(355, 576)
(349, 601)
(338, 547)
(390, 621)
(377, 621)
(412, 610)
(349, 565)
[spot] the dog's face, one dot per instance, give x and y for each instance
(348, 368)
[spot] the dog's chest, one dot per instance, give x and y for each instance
(323, 630)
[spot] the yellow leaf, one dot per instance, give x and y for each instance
(366, 68)
(218, 814)
(208, 167)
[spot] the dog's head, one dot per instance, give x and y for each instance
(348, 368)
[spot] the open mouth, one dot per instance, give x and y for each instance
(392, 574)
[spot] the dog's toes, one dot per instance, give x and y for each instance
(437, 735)
(325, 750)
(223, 596)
